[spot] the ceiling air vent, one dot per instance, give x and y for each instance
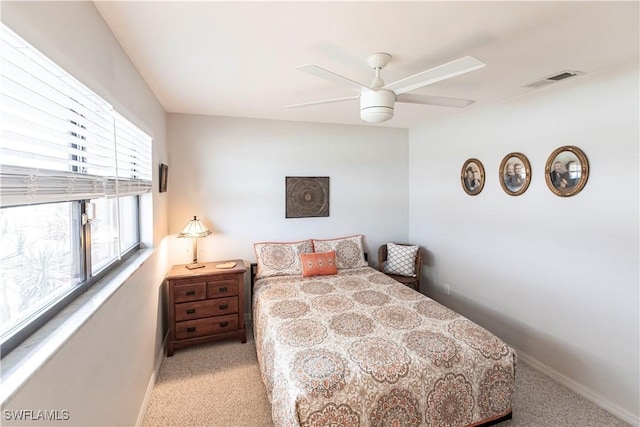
(554, 78)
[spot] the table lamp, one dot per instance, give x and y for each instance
(194, 229)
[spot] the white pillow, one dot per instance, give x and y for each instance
(401, 260)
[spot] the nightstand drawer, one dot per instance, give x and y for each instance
(208, 326)
(208, 308)
(222, 288)
(190, 292)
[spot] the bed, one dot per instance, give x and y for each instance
(356, 348)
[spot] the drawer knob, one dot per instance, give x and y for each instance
(190, 293)
(223, 289)
(191, 329)
(224, 324)
(223, 306)
(191, 311)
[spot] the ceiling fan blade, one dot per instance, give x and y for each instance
(330, 75)
(433, 75)
(325, 101)
(441, 101)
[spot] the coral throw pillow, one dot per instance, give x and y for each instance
(318, 263)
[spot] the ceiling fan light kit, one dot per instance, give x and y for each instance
(377, 101)
(376, 106)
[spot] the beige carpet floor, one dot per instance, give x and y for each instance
(219, 385)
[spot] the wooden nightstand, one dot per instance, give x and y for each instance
(204, 304)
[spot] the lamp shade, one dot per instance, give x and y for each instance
(195, 228)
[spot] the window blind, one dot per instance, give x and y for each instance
(133, 160)
(59, 141)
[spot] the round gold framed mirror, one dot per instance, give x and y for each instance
(566, 171)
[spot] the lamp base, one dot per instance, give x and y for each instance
(194, 266)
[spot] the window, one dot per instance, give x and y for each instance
(71, 174)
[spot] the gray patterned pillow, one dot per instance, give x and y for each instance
(349, 250)
(280, 258)
(401, 260)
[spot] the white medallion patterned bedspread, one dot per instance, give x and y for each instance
(360, 349)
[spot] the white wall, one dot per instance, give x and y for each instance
(102, 373)
(555, 277)
(230, 172)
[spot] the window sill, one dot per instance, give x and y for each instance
(27, 358)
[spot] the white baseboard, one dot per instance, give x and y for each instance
(580, 389)
(152, 381)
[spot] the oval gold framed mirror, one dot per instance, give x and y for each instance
(515, 174)
(472, 177)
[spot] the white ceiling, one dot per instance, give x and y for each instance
(239, 58)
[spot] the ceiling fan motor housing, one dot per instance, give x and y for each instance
(376, 106)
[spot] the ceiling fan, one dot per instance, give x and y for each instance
(378, 99)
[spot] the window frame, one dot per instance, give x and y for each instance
(23, 330)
